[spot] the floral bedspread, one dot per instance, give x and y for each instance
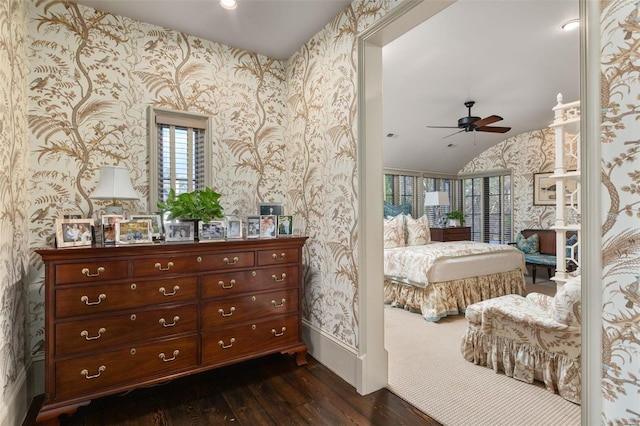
(412, 263)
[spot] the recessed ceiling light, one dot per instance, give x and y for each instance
(570, 25)
(228, 4)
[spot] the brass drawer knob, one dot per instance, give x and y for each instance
(165, 324)
(85, 299)
(86, 375)
(86, 272)
(223, 346)
(275, 333)
(230, 262)
(85, 334)
(231, 311)
(276, 257)
(159, 267)
(164, 290)
(164, 358)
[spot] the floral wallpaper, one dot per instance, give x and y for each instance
(620, 73)
(14, 169)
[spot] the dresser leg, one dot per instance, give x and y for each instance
(50, 417)
(301, 354)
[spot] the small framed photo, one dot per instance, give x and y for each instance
(179, 231)
(109, 227)
(253, 226)
(234, 228)
(268, 226)
(156, 222)
(133, 231)
(73, 215)
(544, 189)
(211, 231)
(73, 232)
(285, 225)
(270, 209)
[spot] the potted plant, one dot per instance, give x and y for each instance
(456, 218)
(201, 204)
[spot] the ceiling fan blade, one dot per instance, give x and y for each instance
(443, 127)
(454, 133)
(493, 129)
(487, 120)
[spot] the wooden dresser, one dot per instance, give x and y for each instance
(460, 233)
(121, 317)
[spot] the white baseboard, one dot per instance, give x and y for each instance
(35, 374)
(17, 402)
(330, 352)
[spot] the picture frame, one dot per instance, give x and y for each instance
(133, 231)
(285, 226)
(73, 232)
(234, 228)
(108, 222)
(179, 230)
(253, 226)
(211, 231)
(268, 226)
(269, 209)
(156, 222)
(544, 189)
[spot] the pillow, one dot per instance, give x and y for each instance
(530, 245)
(391, 210)
(571, 242)
(566, 307)
(394, 232)
(418, 231)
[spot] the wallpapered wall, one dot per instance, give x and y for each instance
(620, 91)
(14, 169)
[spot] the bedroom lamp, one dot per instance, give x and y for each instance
(114, 184)
(437, 199)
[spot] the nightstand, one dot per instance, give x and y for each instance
(460, 233)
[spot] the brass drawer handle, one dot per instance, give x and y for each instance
(164, 291)
(276, 257)
(276, 305)
(231, 311)
(86, 375)
(159, 267)
(86, 272)
(282, 277)
(275, 333)
(164, 323)
(85, 299)
(85, 334)
(222, 284)
(228, 262)
(223, 346)
(163, 357)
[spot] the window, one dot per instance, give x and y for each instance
(401, 189)
(432, 184)
(179, 153)
(487, 205)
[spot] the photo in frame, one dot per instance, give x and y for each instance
(268, 226)
(156, 222)
(133, 231)
(211, 231)
(73, 232)
(253, 226)
(544, 189)
(269, 209)
(234, 228)
(285, 226)
(109, 227)
(179, 230)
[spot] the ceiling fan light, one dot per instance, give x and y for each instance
(570, 25)
(228, 4)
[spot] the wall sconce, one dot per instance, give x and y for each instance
(114, 184)
(437, 199)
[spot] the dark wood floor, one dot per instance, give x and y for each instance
(267, 391)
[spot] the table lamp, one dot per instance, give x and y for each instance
(114, 184)
(437, 199)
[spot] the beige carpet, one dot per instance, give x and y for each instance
(426, 369)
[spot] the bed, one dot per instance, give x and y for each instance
(438, 279)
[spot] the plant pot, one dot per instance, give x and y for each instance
(454, 222)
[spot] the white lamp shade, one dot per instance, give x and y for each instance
(114, 184)
(436, 198)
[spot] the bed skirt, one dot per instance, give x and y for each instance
(438, 300)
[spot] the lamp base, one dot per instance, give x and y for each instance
(113, 209)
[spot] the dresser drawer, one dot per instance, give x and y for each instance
(107, 297)
(98, 334)
(91, 272)
(231, 260)
(93, 373)
(245, 308)
(165, 265)
(235, 283)
(229, 343)
(277, 256)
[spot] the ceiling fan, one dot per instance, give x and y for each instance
(471, 123)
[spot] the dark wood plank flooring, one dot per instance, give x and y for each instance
(266, 391)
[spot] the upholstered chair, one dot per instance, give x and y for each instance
(536, 337)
